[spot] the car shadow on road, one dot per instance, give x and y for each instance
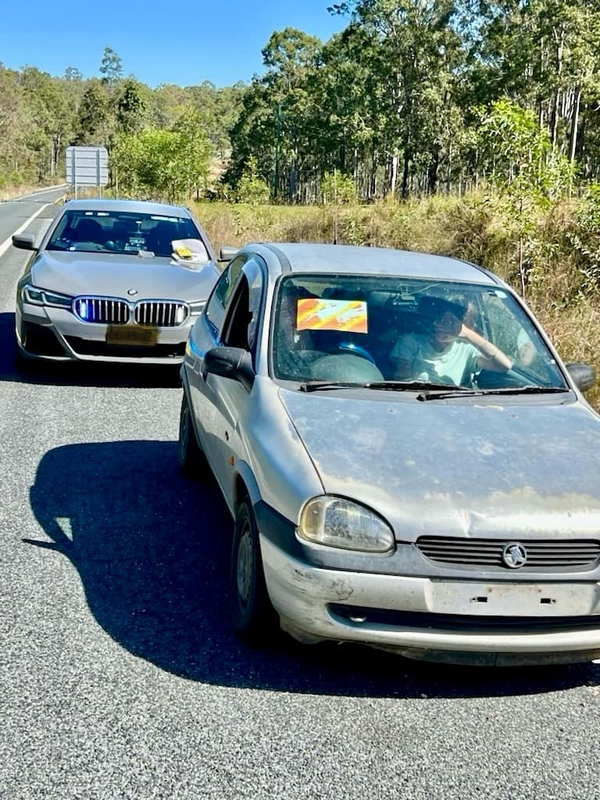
(151, 549)
(57, 373)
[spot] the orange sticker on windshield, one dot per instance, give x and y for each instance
(332, 315)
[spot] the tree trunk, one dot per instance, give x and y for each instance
(560, 40)
(574, 126)
(373, 179)
(405, 174)
(394, 175)
(432, 173)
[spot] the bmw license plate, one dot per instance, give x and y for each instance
(131, 335)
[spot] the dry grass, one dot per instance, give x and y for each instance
(470, 228)
(10, 192)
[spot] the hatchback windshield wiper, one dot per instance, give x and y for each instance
(390, 386)
(529, 389)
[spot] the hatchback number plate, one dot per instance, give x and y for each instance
(514, 600)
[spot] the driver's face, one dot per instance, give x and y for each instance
(446, 328)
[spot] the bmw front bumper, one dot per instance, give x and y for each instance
(55, 334)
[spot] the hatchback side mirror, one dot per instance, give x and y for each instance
(584, 376)
(24, 241)
(230, 362)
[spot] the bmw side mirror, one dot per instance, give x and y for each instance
(584, 376)
(24, 241)
(227, 252)
(230, 362)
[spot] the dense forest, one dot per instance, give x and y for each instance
(412, 97)
(41, 115)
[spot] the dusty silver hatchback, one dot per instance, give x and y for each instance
(408, 461)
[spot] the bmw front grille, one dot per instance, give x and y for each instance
(162, 313)
(102, 310)
(111, 311)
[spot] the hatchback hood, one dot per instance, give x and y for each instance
(529, 467)
(113, 275)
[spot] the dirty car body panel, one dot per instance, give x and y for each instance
(492, 495)
(104, 285)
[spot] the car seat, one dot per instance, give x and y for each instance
(88, 230)
(160, 237)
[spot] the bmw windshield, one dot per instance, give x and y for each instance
(126, 233)
(363, 329)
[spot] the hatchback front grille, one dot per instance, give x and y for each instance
(102, 310)
(163, 314)
(541, 554)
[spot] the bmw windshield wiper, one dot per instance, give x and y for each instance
(390, 386)
(529, 389)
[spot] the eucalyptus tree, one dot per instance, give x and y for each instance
(274, 122)
(420, 56)
(544, 54)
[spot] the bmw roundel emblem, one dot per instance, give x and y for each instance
(514, 555)
(131, 292)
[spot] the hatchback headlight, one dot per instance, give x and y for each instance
(44, 297)
(336, 522)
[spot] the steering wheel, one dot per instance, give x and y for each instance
(357, 350)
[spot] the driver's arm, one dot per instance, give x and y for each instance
(491, 358)
(403, 357)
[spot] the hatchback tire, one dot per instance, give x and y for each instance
(252, 615)
(192, 460)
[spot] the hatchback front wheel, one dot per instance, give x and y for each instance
(191, 458)
(252, 615)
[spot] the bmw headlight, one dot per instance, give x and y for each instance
(336, 522)
(197, 308)
(44, 297)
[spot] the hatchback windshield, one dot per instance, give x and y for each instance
(125, 232)
(361, 328)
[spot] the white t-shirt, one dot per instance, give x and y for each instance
(428, 364)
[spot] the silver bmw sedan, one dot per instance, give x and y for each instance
(408, 461)
(114, 280)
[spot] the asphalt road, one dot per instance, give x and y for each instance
(119, 677)
(15, 213)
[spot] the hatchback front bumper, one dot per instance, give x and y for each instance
(444, 620)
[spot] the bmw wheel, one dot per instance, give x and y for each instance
(252, 615)
(191, 458)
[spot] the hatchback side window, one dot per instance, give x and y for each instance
(215, 310)
(241, 328)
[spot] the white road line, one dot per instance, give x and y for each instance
(37, 192)
(7, 243)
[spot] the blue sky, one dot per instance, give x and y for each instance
(183, 42)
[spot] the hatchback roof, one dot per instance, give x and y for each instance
(377, 260)
(133, 206)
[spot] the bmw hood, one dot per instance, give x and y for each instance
(112, 275)
(521, 467)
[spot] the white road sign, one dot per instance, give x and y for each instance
(87, 166)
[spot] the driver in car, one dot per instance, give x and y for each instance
(447, 350)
